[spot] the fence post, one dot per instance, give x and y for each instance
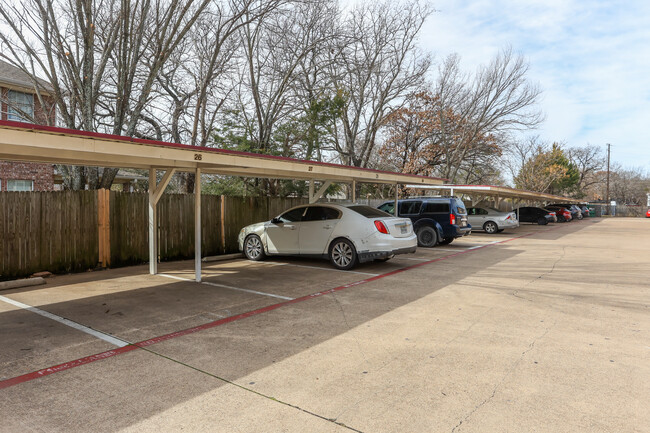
(223, 223)
(104, 226)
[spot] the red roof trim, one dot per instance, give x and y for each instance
(75, 132)
(506, 187)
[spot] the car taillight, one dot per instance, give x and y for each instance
(508, 217)
(552, 213)
(381, 227)
(452, 218)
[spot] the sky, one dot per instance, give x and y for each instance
(590, 57)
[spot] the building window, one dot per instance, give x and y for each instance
(20, 107)
(20, 185)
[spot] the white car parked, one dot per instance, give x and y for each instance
(344, 234)
(491, 220)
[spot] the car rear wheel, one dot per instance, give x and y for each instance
(253, 248)
(446, 241)
(427, 237)
(542, 221)
(490, 227)
(343, 255)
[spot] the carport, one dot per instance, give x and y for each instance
(479, 192)
(43, 144)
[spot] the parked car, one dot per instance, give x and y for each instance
(436, 220)
(563, 214)
(576, 212)
(491, 220)
(536, 215)
(585, 210)
(344, 234)
(647, 214)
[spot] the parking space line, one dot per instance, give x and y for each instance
(255, 292)
(110, 353)
(246, 290)
(98, 334)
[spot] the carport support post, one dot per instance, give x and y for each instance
(396, 197)
(197, 225)
(153, 224)
(354, 191)
(155, 192)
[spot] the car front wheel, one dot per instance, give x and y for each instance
(253, 248)
(490, 227)
(343, 255)
(427, 237)
(542, 221)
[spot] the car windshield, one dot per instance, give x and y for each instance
(369, 212)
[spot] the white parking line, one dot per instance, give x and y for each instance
(106, 337)
(255, 292)
(246, 290)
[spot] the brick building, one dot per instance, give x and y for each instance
(18, 102)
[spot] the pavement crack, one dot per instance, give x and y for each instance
(260, 394)
(347, 325)
(540, 276)
(512, 368)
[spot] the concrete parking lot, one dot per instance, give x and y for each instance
(537, 329)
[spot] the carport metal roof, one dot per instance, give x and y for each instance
(36, 143)
(498, 192)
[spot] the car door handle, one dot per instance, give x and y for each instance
(289, 227)
(327, 227)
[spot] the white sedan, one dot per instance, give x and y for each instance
(344, 234)
(491, 220)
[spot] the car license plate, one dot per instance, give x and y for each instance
(463, 223)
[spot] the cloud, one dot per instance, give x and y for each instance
(592, 58)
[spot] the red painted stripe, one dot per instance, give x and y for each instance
(110, 353)
(65, 366)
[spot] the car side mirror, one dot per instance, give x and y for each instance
(276, 220)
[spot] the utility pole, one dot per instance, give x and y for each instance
(609, 207)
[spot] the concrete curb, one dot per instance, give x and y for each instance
(222, 257)
(14, 284)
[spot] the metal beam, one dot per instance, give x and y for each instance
(197, 225)
(160, 187)
(33, 143)
(396, 198)
(153, 224)
(314, 198)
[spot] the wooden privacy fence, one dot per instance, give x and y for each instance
(78, 230)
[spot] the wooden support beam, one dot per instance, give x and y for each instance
(104, 227)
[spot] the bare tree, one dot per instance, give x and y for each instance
(101, 58)
(377, 65)
(274, 50)
(589, 160)
(496, 101)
